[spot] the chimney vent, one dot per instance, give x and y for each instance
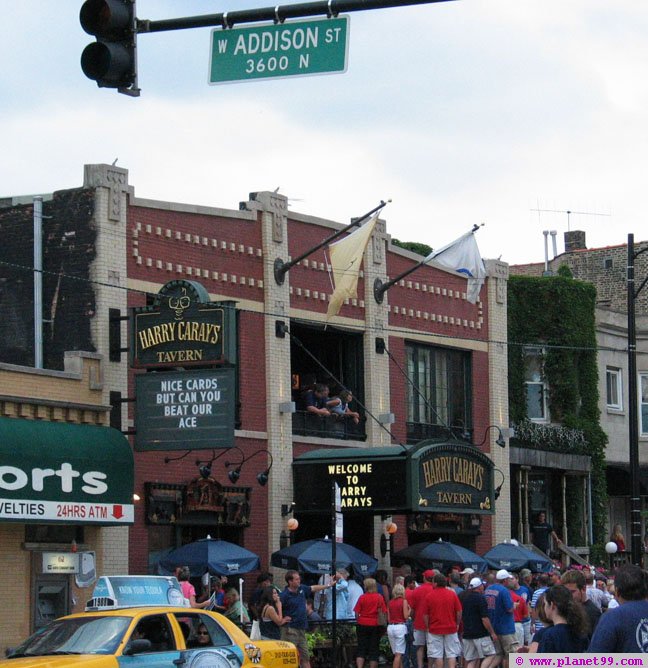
(575, 240)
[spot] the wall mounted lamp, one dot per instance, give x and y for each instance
(500, 436)
(205, 466)
(287, 508)
(498, 489)
(262, 478)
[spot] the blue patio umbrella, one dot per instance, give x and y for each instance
(315, 556)
(514, 557)
(439, 554)
(216, 556)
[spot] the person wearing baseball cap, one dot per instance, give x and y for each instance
(467, 574)
(500, 611)
(479, 637)
(416, 599)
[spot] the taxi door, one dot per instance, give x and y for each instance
(164, 649)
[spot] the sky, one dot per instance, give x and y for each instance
(463, 112)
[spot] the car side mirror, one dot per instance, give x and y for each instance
(138, 646)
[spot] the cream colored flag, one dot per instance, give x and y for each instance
(346, 258)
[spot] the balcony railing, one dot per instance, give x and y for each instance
(557, 438)
(308, 424)
(421, 431)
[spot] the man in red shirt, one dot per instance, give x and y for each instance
(415, 599)
(442, 616)
(520, 613)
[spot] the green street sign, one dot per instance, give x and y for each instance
(272, 51)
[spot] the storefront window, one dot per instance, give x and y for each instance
(439, 392)
(53, 533)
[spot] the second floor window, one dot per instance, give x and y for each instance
(536, 387)
(439, 393)
(613, 388)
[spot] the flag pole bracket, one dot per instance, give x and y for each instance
(280, 270)
(379, 291)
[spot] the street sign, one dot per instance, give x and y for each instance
(272, 51)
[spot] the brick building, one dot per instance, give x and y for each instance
(606, 269)
(422, 364)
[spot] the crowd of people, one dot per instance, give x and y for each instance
(446, 618)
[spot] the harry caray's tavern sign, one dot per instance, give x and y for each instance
(181, 329)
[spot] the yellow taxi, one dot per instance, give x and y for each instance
(147, 636)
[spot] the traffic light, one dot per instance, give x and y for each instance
(112, 60)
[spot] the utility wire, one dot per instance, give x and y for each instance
(422, 396)
(341, 384)
(394, 329)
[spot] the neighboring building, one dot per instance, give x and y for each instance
(423, 364)
(67, 479)
(605, 268)
(557, 451)
(66, 486)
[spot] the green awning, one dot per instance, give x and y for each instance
(60, 472)
(430, 476)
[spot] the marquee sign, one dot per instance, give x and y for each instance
(453, 477)
(67, 473)
(182, 328)
(185, 410)
(371, 483)
(429, 477)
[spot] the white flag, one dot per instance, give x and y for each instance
(462, 256)
(346, 258)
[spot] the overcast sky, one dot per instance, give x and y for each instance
(472, 111)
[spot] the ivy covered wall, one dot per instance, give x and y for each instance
(558, 313)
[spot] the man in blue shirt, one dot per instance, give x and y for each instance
(341, 597)
(500, 611)
(293, 604)
(625, 629)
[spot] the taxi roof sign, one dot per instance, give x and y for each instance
(131, 591)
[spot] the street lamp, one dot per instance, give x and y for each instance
(633, 427)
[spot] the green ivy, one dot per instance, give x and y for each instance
(414, 246)
(558, 313)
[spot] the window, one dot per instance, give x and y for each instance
(643, 382)
(53, 533)
(536, 387)
(439, 391)
(608, 263)
(613, 388)
(335, 358)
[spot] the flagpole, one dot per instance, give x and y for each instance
(281, 268)
(380, 288)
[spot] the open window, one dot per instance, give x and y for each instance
(332, 357)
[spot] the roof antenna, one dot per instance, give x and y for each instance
(569, 213)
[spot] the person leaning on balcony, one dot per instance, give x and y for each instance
(316, 400)
(339, 406)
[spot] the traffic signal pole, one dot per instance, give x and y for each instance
(278, 14)
(112, 60)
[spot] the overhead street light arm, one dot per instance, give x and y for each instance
(278, 14)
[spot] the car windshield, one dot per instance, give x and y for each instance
(79, 635)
